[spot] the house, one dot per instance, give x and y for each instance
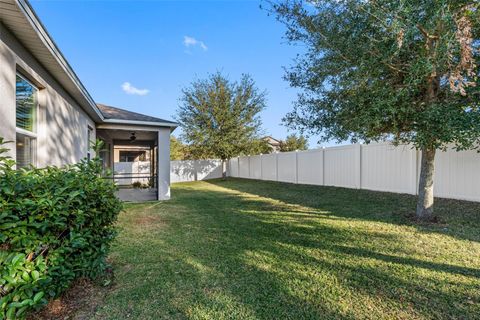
(50, 116)
(273, 143)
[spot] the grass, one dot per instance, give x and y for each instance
(242, 249)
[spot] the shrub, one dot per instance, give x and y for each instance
(56, 225)
(137, 184)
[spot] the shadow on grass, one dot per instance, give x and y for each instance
(220, 255)
(460, 219)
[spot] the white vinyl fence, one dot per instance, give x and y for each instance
(380, 167)
(194, 170)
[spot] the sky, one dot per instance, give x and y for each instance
(138, 55)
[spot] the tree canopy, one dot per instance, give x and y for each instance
(294, 142)
(220, 118)
(178, 150)
(400, 70)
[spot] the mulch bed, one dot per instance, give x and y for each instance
(79, 303)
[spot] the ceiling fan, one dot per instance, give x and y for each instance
(133, 137)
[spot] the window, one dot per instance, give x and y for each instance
(25, 150)
(132, 156)
(26, 117)
(26, 98)
(89, 142)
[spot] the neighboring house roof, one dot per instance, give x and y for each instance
(116, 115)
(20, 19)
(272, 141)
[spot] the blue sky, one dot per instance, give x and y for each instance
(138, 55)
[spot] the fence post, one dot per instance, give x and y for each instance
(249, 168)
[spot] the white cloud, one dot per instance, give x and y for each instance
(129, 89)
(192, 42)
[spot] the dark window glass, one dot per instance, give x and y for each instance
(132, 156)
(26, 104)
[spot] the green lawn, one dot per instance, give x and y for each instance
(242, 249)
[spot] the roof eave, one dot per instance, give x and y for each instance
(142, 123)
(43, 35)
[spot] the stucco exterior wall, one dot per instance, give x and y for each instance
(62, 125)
(163, 164)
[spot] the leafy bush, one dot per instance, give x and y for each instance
(137, 184)
(56, 225)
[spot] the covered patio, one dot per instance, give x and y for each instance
(137, 151)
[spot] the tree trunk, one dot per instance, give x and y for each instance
(425, 188)
(224, 169)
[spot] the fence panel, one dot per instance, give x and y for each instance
(244, 167)
(269, 167)
(194, 170)
(208, 169)
(341, 166)
(310, 167)
(182, 171)
(287, 167)
(380, 167)
(457, 175)
(388, 168)
(233, 167)
(256, 167)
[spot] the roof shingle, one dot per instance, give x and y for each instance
(110, 112)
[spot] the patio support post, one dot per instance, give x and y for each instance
(163, 164)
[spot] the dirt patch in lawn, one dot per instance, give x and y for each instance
(77, 303)
(149, 220)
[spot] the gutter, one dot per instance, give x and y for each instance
(144, 123)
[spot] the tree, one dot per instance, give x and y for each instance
(220, 118)
(260, 146)
(292, 143)
(178, 150)
(404, 71)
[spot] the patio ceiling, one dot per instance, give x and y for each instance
(122, 137)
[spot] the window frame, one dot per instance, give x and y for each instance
(89, 146)
(31, 134)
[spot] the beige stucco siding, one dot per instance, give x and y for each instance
(62, 125)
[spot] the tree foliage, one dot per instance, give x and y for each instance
(405, 71)
(381, 69)
(220, 118)
(56, 225)
(178, 150)
(294, 142)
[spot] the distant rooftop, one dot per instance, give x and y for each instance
(114, 113)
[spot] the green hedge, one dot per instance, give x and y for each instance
(56, 225)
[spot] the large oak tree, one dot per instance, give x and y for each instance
(398, 70)
(220, 118)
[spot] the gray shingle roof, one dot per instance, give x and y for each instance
(110, 112)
